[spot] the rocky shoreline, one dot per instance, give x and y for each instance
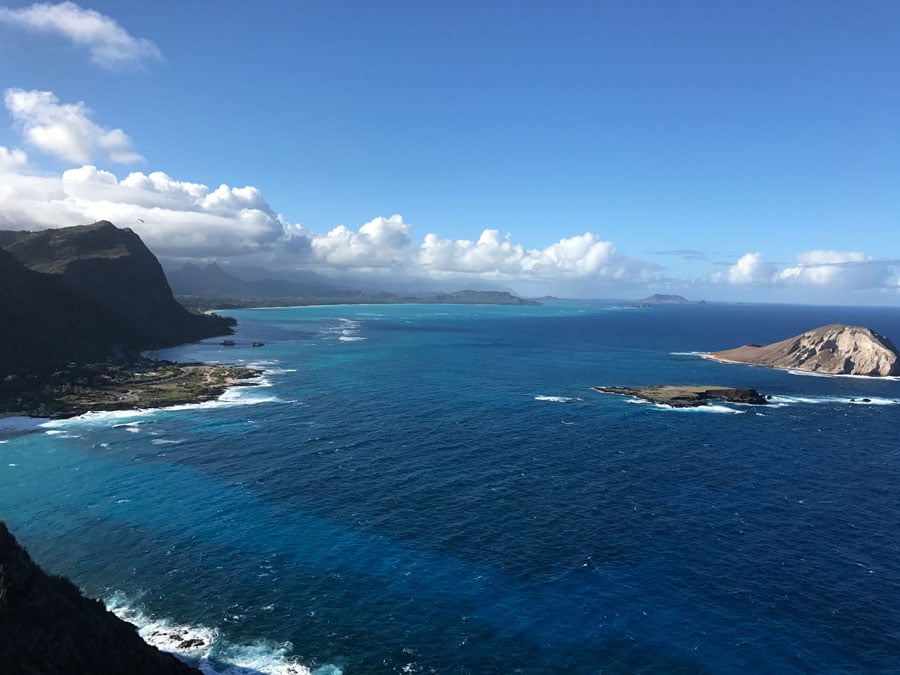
(688, 396)
(127, 385)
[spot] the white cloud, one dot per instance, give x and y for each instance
(109, 44)
(837, 269)
(818, 269)
(495, 256)
(65, 129)
(175, 218)
(12, 160)
(750, 269)
(181, 219)
(383, 242)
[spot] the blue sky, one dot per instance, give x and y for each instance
(725, 150)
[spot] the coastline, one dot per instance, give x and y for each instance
(135, 385)
(797, 371)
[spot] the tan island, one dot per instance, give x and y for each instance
(835, 349)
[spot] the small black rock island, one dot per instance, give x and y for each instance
(677, 396)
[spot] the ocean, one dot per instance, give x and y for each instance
(437, 489)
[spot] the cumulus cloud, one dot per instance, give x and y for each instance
(184, 220)
(382, 242)
(65, 129)
(817, 269)
(108, 43)
(175, 218)
(837, 269)
(12, 160)
(750, 269)
(496, 256)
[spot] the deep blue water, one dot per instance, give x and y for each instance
(437, 489)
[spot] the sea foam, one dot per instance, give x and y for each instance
(208, 649)
(234, 396)
(556, 399)
(807, 373)
(782, 401)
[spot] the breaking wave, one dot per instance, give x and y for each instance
(557, 399)
(782, 401)
(207, 649)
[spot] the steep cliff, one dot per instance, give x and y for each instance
(835, 349)
(47, 626)
(78, 293)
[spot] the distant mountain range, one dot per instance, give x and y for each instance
(211, 285)
(82, 293)
(212, 281)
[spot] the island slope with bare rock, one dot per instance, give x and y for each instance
(836, 349)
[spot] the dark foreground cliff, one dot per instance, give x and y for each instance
(82, 293)
(48, 627)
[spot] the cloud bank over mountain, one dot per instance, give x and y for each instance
(184, 220)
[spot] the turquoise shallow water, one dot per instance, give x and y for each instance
(437, 489)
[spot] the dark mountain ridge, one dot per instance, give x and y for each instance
(81, 293)
(200, 286)
(212, 281)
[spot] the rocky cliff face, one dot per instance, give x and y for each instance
(835, 349)
(77, 293)
(47, 626)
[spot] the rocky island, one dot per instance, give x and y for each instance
(48, 626)
(836, 349)
(664, 299)
(688, 396)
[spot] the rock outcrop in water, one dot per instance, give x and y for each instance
(836, 349)
(47, 626)
(688, 396)
(79, 293)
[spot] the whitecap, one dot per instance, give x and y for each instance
(233, 396)
(807, 373)
(347, 338)
(276, 371)
(721, 409)
(167, 441)
(209, 650)
(556, 399)
(783, 400)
